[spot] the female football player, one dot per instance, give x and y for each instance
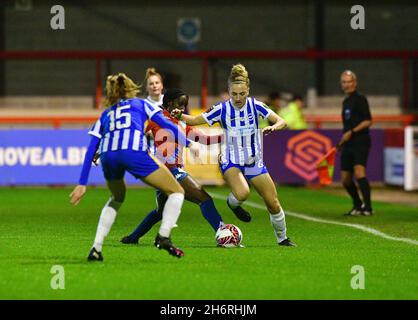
(118, 133)
(241, 150)
(154, 87)
(171, 156)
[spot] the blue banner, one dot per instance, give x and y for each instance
(46, 157)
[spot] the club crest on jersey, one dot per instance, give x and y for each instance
(347, 114)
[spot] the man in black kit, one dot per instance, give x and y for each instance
(355, 145)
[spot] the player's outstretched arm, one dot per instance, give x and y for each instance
(80, 189)
(278, 123)
(188, 119)
(163, 122)
(202, 138)
(193, 120)
(77, 194)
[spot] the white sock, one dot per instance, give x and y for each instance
(106, 220)
(278, 222)
(171, 213)
(233, 202)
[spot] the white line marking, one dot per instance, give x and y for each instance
(319, 220)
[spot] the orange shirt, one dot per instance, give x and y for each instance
(168, 151)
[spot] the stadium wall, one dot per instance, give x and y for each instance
(133, 25)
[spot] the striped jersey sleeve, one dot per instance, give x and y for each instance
(96, 129)
(213, 115)
(150, 109)
(262, 109)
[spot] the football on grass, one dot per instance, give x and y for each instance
(228, 236)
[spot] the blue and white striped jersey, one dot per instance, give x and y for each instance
(242, 143)
(121, 127)
(156, 104)
(153, 102)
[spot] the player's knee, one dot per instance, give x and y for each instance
(203, 197)
(118, 195)
(180, 190)
(120, 198)
(242, 195)
(198, 195)
(175, 189)
(273, 206)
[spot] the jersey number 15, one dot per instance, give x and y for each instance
(119, 119)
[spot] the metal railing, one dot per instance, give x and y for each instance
(205, 56)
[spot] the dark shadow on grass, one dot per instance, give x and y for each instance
(151, 245)
(124, 245)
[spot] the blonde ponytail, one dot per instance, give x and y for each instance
(238, 75)
(119, 86)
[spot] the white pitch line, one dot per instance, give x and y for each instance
(319, 220)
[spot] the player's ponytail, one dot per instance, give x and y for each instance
(119, 86)
(238, 75)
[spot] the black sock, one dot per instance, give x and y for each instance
(352, 191)
(365, 191)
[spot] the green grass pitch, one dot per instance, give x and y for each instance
(40, 229)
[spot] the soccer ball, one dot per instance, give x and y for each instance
(228, 236)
